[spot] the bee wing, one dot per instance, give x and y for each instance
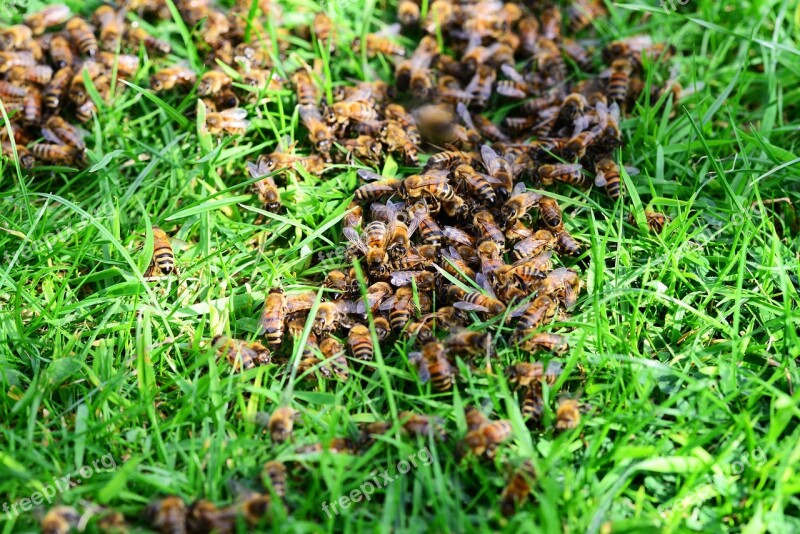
(512, 73)
(544, 256)
(352, 235)
(459, 236)
(485, 285)
(389, 31)
(423, 372)
(519, 188)
(632, 171)
(462, 111)
(388, 304)
(402, 278)
(468, 306)
(600, 179)
(489, 157)
(581, 124)
(431, 178)
(614, 111)
(413, 224)
(309, 113)
(366, 174)
(452, 254)
(234, 113)
(359, 95)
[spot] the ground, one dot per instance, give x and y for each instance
(685, 344)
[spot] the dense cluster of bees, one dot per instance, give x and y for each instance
(468, 236)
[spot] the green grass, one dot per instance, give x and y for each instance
(685, 344)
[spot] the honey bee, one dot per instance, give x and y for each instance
(491, 257)
(542, 309)
(26, 159)
(478, 301)
(545, 341)
(365, 148)
(551, 23)
(61, 52)
(273, 317)
(408, 13)
(281, 424)
(254, 507)
(485, 439)
(320, 134)
(242, 355)
(501, 169)
(373, 245)
(381, 43)
(9, 60)
(359, 339)
(39, 74)
(265, 187)
(60, 520)
(32, 107)
(54, 153)
(15, 37)
(468, 342)
(578, 54)
(274, 477)
(212, 82)
(278, 160)
(568, 414)
(333, 351)
(204, 516)
(438, 125)
(82, 36)
(354, 216)
(567, 244)
(311, 364)
(550, 213)
(378, 186)
(52, 15)
(456, 265)
(569, 173)
(476, 182)
(517, 490)
(481, 84)
(527, 375)
(163, 262)
(167, 515)
(232, 121)
(655, 220)
(619, 81)
(86, 111)
(433, 365)
(433, 183)
(305, 89)
(415, 72)
(400, 139)
(11, 92)
(582, 13)
(329, 317)
(138, 36)
(168, 78)
(532, 269)
(110, 23)
(608, 175)
(422, 425)
(54, 92)
(563, 283)
(518, 205)
(400, 307)
(549, 61)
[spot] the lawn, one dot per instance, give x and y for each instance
(684, 344)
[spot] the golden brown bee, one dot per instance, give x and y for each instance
(54, 153)
(278, 160)
(486, 438)
(265, 187)
(501, 169)
(656, 221)
(82, 36)
(232, 121)
(86, 111)
(333, 350)
(549, 61)
(313, 364)
(323, 28)
(61, 52)
(383, 328)
(569, 173)
(518, 205)
(481, 85)
(204, 516)
(401, 139)
(9, 60)
(562, 283)
(578, 54)
(619, 81)
(433, 183)
(578, 144)
(212, 82)
(138, 36)
(273, 316)
(10, 92)
(364, 148)
(542, 309)
(517, 490)
(281, 424)
(54, 92)
(433, 365)
(377, 187)
(354, 216)
(242, 355)
(26, 159)
(476, 182)
(359, 339)
(422, 425)
(477, 301)
(581, 13)
(168, 78)
(438, 125)
(32, 107)
(376, 236)
(110, 23)
(319, 132)
(528, 271)
(50, 16)
(550, 213)
(474, 418)
(60, 520)
(491, 257)
(274, 476)
(163, 262)
(167, 516)
(254, 507)
(545, 341)
(568, 414)
(608, 175)
(468, 342)
(377, 43)
(39, 74)
(408, 13)
(527, 375)
(329, 317)
(566, 244)
(15, 37)
(415, 71)
(57, 130)
(305, 89)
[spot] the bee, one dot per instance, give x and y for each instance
(478, 301)
(242, 355)
(320, 134)
(608, 175)
(110, 23)
(486, 438)
(212, 82)
(433, 365)
(549, 61)
(550, 213)
(476, 182)
(359, 339)
(278, 160)
(484, 221)
(9, 60)
(52, 15)
(551, 23)
(26, 159)
(380, 43)
(501, 169)
(456, 236)
(11, 92)
(163, 262)
(54, 153)
(370, 431)
(305, 89)
(429, 229)
(422, 425)
(532, 269)
(582, 13)
(578, 144)
(377, 187)
(408, 13)
(518, 205)
(568, 414)
(491, 256)
(204, 516)
(265, 187)
(619, 81)
(138, 36)
(516, 86)
(574, 106)
(254, 507)
(578, 54)
(61, 52)
(281, 424)
(468, 342)
(474, 418)
(656, 221)
(32, 107)
(415, 73)
(365, 148)
(354, 216)
(480, 86)
(168, 78)
(373, 245)
(274, 477)
(329, 317)
(333, 351)
(400, 139)
(527, 375)
(39, 74)
(81, 34)
(60, 520)
(541, 310)
(567, 244)
(400, 307)
(545, 341)
(563, 283)
(86, 111)
(167, 515)
(455, 264)
(54, 92)
(323, 29)
(438, 125)
(311, 364)
(569, 173)
(273, 317)
(232, 121)
(15, 37)
(126, 64)
(432, 183)
(517, 490)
